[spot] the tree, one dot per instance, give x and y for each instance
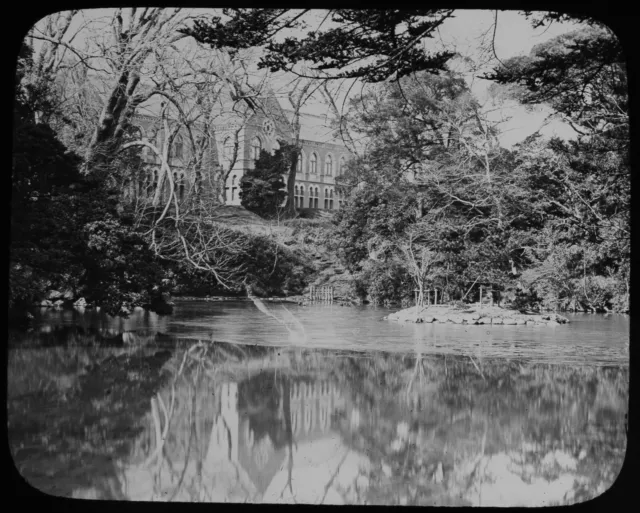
(373, 45)
(263, 189)
(583, 185)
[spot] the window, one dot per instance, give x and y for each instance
(328, 165)
(326, 199)
(295, 197)
(228, 150)
(315, 202)
(176, 148)
(302, 196)
(331, 199)
(313, 164)
(299, 163)
(343, 161)
(256, 147)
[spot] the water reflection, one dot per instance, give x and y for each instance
(218, 422)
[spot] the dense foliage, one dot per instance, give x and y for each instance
(262, 189)
(69, 231)
(545, 223)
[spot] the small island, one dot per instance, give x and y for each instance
(475, 314)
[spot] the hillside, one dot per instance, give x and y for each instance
(309, 236)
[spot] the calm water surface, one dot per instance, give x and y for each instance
(589, 338)
(223, 402)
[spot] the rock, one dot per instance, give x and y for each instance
(46, 303)
(80, 302)
(553, 323)
(58, 302)
(457, 319)
(475, 316)
(53, 294)
(428, 319)
(530, 323)
(484, 320)
(497, 320)
(520, 322)
(511, 322)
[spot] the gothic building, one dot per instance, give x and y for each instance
(323, 156)
(235, 144)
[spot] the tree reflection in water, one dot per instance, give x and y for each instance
(309, 426)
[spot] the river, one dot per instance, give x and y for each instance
(224, 401)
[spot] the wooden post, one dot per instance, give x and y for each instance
(481, 295)
(491, 292)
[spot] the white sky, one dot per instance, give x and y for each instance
(514, 36)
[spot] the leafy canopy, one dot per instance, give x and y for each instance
(370, 44)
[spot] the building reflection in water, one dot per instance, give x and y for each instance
(265, 436)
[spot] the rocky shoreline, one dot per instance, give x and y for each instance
(475, 315)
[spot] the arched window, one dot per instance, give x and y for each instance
(176, 147)
(300, 162)
(256, 147)
(343, 161)
(315, 203)
(313, 164)
(331, 199)
(328, 165)
(326, 199)
(302, 196)
(295, 197)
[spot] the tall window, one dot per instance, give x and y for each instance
(315, 200)
(313, 163)
(326, 199)
(256, 147)
(233, 187)
(299, 163)
(331, 199)
(328, 165)
(176, 148)
(343, 161)
(228, 150)
(295, 197)
(302, 196)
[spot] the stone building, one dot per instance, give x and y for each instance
(236, 142)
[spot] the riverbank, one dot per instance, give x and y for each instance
(475, 314)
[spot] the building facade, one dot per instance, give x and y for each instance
(231, 147)
(322, 158)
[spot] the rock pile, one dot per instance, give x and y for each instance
(475, 315)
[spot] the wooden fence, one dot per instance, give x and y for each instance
(321, 294)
